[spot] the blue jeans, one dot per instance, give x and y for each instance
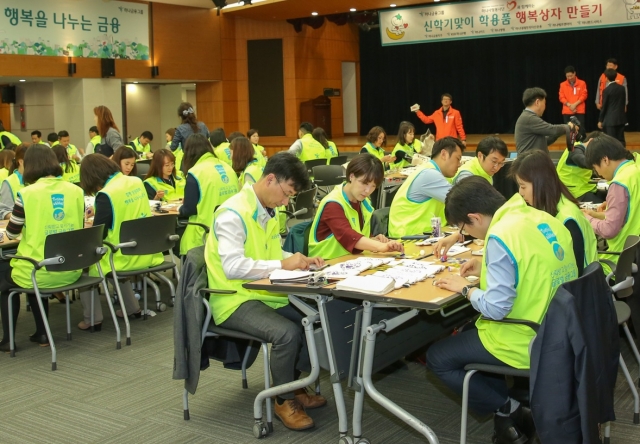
(447, 358)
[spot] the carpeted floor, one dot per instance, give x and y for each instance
(103, 395)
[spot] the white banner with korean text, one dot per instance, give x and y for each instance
(494, 18)
(75, 28)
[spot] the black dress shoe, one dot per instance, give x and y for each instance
(506, 429)
(40, 339)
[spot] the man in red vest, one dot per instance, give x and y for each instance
(573, 95)
(447, 120)
(602, 83)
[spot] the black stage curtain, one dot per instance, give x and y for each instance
(487, 77)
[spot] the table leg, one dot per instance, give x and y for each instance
(358, 403)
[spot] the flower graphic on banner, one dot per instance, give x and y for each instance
(397, 27)
(633, 9)
(103, 47)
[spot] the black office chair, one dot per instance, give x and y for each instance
(70, 251)
(314, 163)
(340, 160)
(143, 168)
(380, 221)
(210, 330)
(327, 176)
(135, 240)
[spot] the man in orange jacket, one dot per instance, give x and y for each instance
(447, 120)
(573, 94)
(603, 82)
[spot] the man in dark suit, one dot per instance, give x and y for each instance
(612, 116)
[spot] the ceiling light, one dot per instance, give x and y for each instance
(352, 9)
(22, 80)
(392, 5)
(135, 82)
(314, 13)
(436, 1)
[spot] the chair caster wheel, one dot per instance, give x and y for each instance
(161, 306)
(345, 440)
(260, 430)
(363, 441)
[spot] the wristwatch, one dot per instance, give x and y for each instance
(465, 291)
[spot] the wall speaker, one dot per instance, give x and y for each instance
(108, 67)
(9, 94)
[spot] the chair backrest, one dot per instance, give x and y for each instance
(79, 248)
(306, 199)
(625, 263)
(380, 221)
(143, 169)
(307, 233)
(328, 175)
(151, 234)
(313, 163)
(340, 160)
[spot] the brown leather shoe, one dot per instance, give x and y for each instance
(309, 400)
(292, 415)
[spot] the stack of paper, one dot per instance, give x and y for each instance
(289, 277)
(354, 267)
(374, 285)
(457, 249)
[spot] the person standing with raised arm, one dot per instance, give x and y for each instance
(448, 120)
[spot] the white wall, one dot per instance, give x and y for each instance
(143, 113)
(349, 98)
(170, 98)
(105, 92)
(37, 98)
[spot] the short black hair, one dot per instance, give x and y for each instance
(147, 135)
(94, 129)
(63, 133)
(593, 135)
(251, 132)
(530, 95)
(306, 127)
(96, 170)
(366, 166)
(39, 162)
(606, 146)
(446, 95)
(448, 144)
(52, 137)
(234, 135)
(286, 166)
(36, 133)
(471, 195)
(217, 136)
(490, 144)
(569, 69)
(612, 60)
(610, 74)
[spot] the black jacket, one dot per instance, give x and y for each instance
(574, 362)
(614, 98)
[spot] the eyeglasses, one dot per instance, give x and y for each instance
(461, 229)
(288, 196)
(495, 163)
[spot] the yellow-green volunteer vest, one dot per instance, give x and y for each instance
(409, 149)
(57, 142)
(139, 147)
(95, 141)
(72, 150)
(261, 244)
(4, 173)
(217, 183)
(258, 154)
(51, 206)
(72, 176)
(128, 199)
(574, 177)
(331, 152)
(407, 217)
(12, 137)
(542, 250)
(251, 174)
(374, 151)
(330, 248)
(475, 168)
(626, 176)
(311, 149)
(223, 152)
(170, 193)
(568, 210)
(15, 183)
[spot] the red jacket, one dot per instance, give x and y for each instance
(572, 94)
(451, 126)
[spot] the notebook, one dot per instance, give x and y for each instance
(374, 285)
(289, 277)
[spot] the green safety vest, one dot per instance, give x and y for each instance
(568, 210)
(179, 155)
(71, 151)
(15, 183)
(410, 149)
(128, 199)
(575, 178)
(626, 176)
(311, 149)
(223, 152)
(72, 176)
(14, 139)
(4, 173)
(251, 174)
(542, 250)
(51, 206)
(407, 217)
(217, 183)
(140, 148)
(95, 140)
(261, 159)
(331, 152)
(57, 142)
(261, 244)
(377, 152)
(476, 169)
(170, 193)
(330, 248)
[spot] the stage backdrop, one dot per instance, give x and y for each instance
(487, 77)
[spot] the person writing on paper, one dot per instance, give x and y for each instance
(422, 195)
(162, 181)
(376, 139)
(125, 157)
(448, 121)
(490, 157)
(237, 255)
(406, 146)
(342, 223)
(540, 186)
(517, 238)
(576, 174)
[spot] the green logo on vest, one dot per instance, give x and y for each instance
(223, 173)
(548, 233)
(57, 200)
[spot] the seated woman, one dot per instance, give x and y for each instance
(244, 163)
(119, 198)
(406, 146)
(376, 139)
(48, 204)
(70, 168)
(125, 157)
(541, 188)
(6, 162)
(210, 182)
(261, 154)
(330, 149)
(13, 183)
(162, 181)
(342, 222)
(220, 145)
